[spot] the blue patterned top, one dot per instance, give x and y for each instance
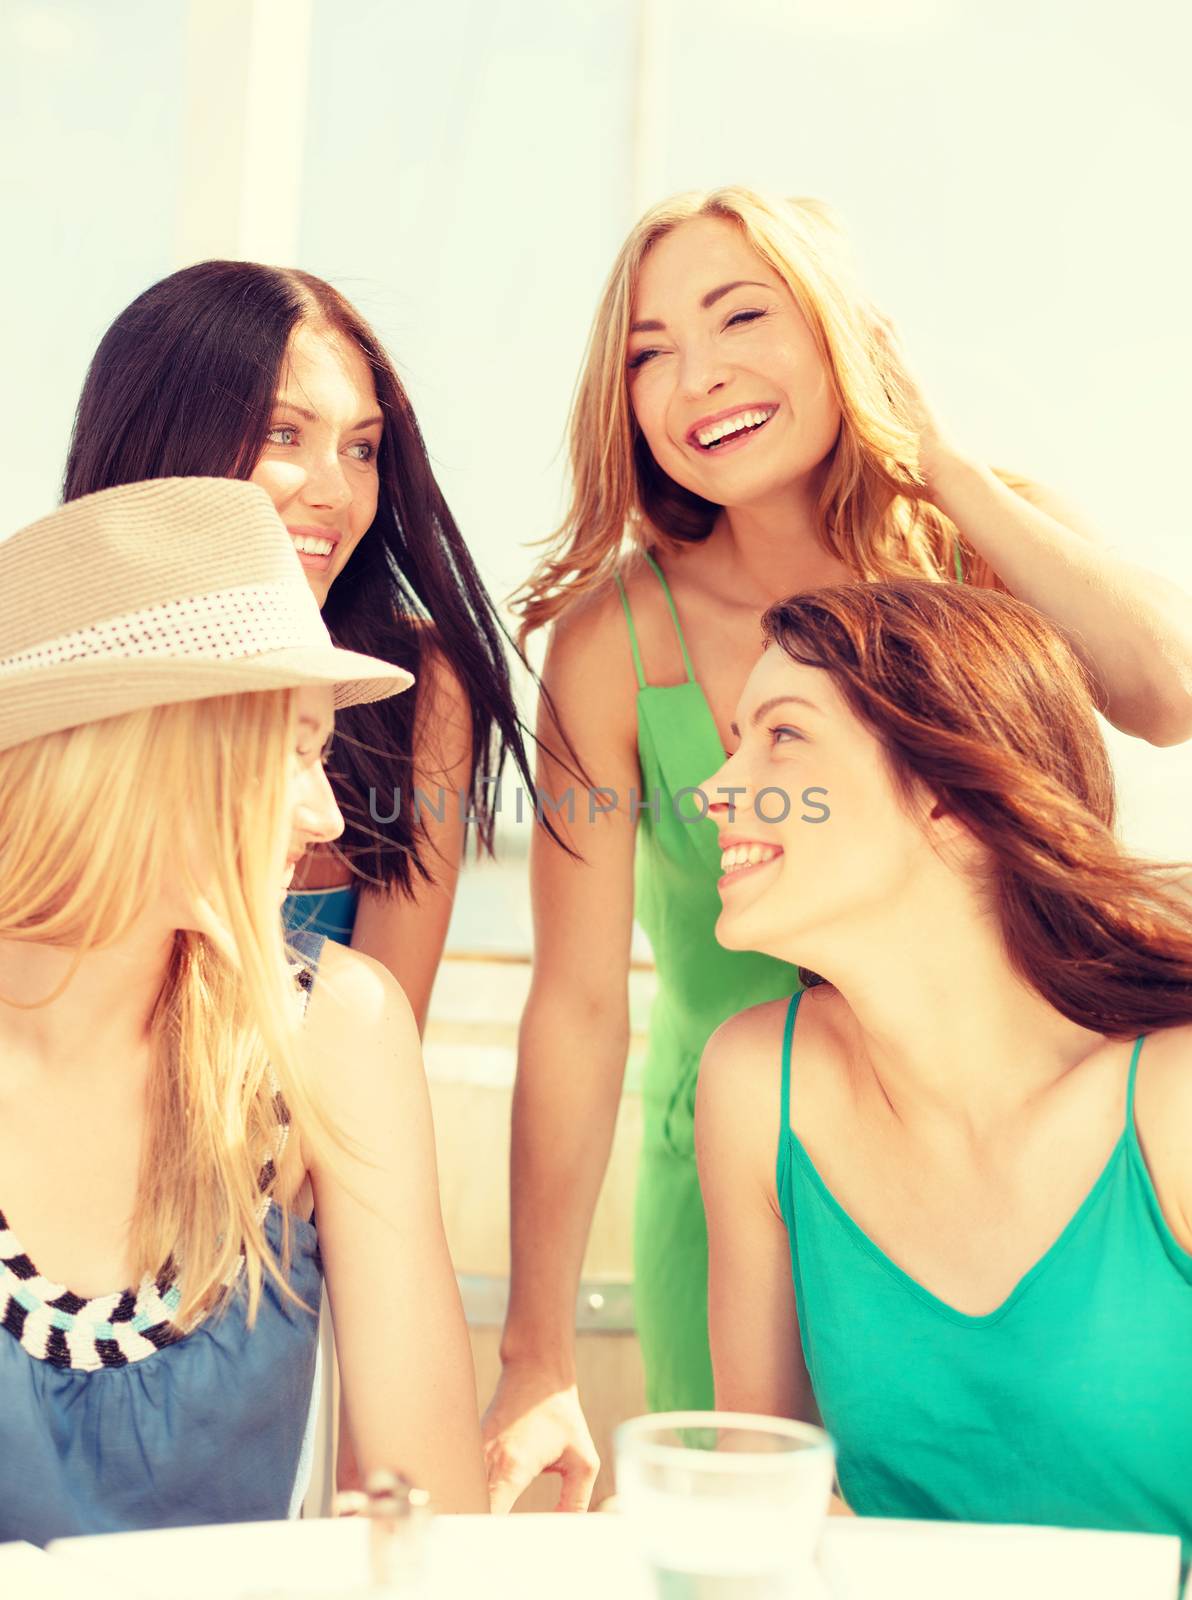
(111, 1419)
(330, 912)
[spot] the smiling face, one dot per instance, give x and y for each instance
(725, 379)
(789, 885)
(319, 464)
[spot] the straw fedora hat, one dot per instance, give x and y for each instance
(158, 592)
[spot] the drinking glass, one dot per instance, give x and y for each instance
(724, 1505)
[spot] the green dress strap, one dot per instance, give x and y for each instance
(674, 617)
(958, 562)
(634, 645)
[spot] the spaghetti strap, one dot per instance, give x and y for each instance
(674, 616)
(958, 562)
(788, 1034)
(1131, 1081)
(633, 645)
(305, 946)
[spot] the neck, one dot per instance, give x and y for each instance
(942, 1022)
(775, 544)
(100, 1008)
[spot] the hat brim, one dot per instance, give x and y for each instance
(74, 693)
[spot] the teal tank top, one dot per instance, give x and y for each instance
(1068, 1405)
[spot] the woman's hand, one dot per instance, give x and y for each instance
(936, 451)
(535, 1424)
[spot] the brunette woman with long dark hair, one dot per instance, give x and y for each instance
(231, 369)
(973, 1254)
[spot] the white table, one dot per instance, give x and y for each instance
(591, 1558)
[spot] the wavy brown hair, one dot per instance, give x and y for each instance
(983, 702)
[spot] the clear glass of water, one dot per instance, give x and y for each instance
(723, 1505)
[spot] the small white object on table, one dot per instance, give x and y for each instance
(592, 1558)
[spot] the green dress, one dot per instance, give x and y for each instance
(700, 985)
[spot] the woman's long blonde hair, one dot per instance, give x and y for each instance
(872, 509)
(191, 798)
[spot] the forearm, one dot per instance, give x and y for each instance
(409, 1391)
(563, 1125)
(1133, 627)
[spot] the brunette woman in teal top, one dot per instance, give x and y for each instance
(972, 1252)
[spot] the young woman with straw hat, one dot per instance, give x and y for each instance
(744, 429)
(182, 1156)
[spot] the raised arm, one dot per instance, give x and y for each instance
(753, 1324)
(571, 1061)
(406, 933)
(408, 1381)
(1133, 627)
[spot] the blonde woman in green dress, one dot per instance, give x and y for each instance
(746, 426)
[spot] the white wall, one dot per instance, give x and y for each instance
(90, 149)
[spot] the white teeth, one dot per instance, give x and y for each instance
(716, 431)
(746, 855)
(308, 546)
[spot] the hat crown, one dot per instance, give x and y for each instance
(123, 550)
(156, 593)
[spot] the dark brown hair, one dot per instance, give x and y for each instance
(183, 384)
(980, 699)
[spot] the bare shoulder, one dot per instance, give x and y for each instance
(598, 623)
(1164, 1084)
(737, 1097)
(742, 1060)
(589, 671)
(358, 1014)
(745, 1038)
(593, 625)
(821, 1011)
(744, 1055)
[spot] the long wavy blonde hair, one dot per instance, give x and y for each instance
(872, 509)
(191, 798)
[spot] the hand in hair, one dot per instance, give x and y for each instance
(906, 391)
